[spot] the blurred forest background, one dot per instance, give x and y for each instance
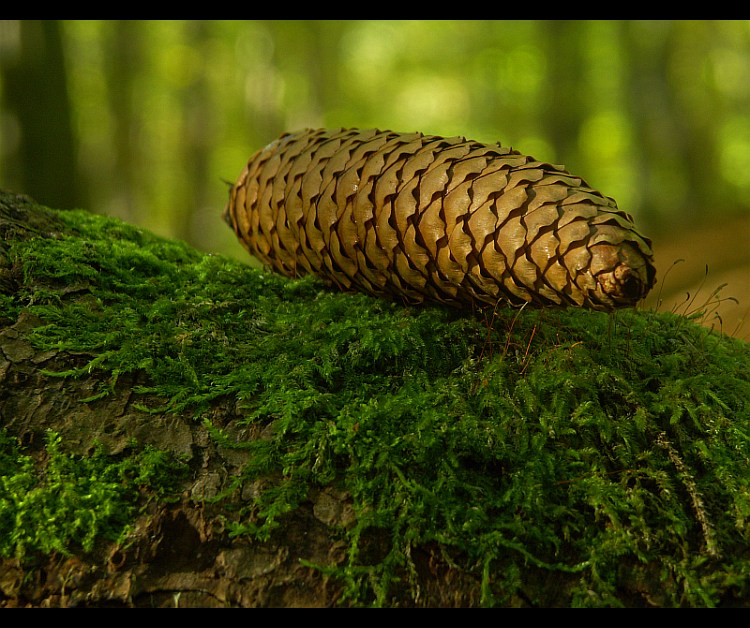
(146, 120)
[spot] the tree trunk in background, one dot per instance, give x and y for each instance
(564, 100)
(697, 111)
(35, 90)
(123, 55)
(674, 128)
(199, 136)
(323, 64)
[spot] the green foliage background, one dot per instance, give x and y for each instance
(146, 118)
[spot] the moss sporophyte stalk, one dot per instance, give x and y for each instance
(599, 450)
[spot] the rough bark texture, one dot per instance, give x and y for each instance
(176, 554)
(183, 552)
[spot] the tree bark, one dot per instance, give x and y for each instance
(178, 555)
(184, 551)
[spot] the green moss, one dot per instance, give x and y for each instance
(69, 502)
(597, 450)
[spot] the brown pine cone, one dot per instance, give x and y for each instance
(421, 217)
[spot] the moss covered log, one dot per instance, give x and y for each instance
(179, 428)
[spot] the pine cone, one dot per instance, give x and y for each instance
(422, 217)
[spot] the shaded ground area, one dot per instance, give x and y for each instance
(713, 256)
